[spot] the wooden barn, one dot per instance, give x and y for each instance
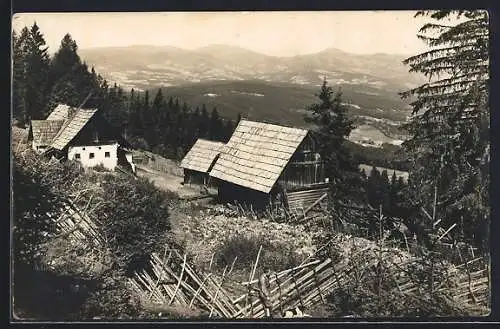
(266, 164)
(199, 160)
(81, 135)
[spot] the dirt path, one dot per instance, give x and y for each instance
(168, 182)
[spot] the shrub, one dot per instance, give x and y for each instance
(275, 256)
(135, 219)
(111, 299)
(32, 201)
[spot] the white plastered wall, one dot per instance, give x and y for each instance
(99, 155)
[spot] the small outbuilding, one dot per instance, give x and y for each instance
(265, 163)
(199, 161)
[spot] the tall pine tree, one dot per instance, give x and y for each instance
(71, 82)
(36, 72)
(449, 129)
(332, 127)
(19, 52)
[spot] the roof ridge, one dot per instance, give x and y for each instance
(210, 141)
(273, 124)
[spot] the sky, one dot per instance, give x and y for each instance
(272, 33)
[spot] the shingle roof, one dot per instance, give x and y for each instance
(201, 156)
(72, 127)
(256, 154)
(44, 131)
(61, 112)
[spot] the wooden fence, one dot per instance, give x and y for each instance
(77, 225)
(172, 281)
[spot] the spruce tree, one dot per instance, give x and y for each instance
(70, 80)
(36, 74)
(449, 129)
(146, 119)
(158, 104)
(154, 127)
(332, 127)
(373, 187)
(215, 127)
(204, 118)
(195, 120)
(19, 66)
(228, 130)
(385, 190)
(135, 121)
(66, 59)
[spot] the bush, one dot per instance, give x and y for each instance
(32, 201)
(275, 256)
(111, 299)
(135, 219)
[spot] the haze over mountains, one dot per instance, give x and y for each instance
(263, 87)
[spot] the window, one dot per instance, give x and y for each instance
(83, 148)
(107, 154)
(77, 155)
(91, 155)
(99, 147)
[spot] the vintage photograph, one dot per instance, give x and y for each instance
(250, 165)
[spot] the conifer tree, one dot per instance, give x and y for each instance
(331, 131)
(36, 70)
(204, 118)
(385, 190)
(158, 104)
(66, 59)
(71, 81)
(449, 129)
(146, 117)
(19, 51)
(400, 184)
(135, 121)
(228, 130)
(215, 128)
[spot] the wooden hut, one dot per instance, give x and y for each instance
(265, 163)
(199, 160)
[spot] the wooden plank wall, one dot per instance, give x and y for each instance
(301, 200)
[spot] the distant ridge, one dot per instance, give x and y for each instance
(220, 46)
(145, 66)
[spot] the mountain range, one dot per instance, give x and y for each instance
(143, 67)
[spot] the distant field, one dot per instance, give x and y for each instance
(367, 134)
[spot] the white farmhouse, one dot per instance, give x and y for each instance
(81, 135)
